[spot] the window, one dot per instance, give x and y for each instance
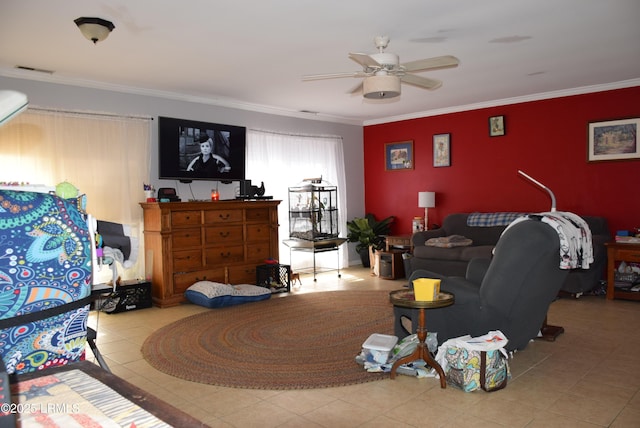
(284, 160)
(105, 156)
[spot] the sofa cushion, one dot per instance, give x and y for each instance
(456, 224)
(456, 253)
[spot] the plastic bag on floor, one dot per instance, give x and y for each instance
(472, 363)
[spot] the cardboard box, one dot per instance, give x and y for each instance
(426, 289)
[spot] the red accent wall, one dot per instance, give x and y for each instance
(546, 139)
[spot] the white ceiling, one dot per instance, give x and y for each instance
(252, 54)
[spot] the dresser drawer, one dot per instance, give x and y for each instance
(186, 218)
(258, 252)
(224, 255)
(182, 281)
(258, 214)
(258, 232)
(184, 238)
(244, 274)
(223, 234)
(222, 216)
(187, 260)
(630, 255)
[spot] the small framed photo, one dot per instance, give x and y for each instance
(496, 126)
(442, 150)
(613, 140)
(398, 156)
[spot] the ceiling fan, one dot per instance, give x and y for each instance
(383, 73)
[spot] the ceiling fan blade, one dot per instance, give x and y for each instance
(333, 75)
(364, 60)
(436, 63)
(421, 82)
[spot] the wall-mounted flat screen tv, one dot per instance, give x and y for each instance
(192, 150)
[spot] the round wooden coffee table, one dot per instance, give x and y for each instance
(406, 299)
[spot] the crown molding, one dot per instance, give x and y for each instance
(215, 101)
(266, 109)
(507, 101)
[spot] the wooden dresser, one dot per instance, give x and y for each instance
(221, 241)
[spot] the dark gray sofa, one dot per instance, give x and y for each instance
(454, 261)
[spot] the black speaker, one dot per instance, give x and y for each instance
(245, 188)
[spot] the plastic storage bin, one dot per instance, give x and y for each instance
(378, 347)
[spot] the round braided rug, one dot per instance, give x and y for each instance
(294, 342)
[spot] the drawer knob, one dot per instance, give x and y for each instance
(224, 217)
(224, 234)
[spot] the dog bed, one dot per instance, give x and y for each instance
(217, 295)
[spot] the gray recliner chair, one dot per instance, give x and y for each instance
(511, 292)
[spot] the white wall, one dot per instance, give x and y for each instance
(53, 95)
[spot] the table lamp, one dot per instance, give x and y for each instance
(426, 200)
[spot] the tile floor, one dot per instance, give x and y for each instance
(589, 377)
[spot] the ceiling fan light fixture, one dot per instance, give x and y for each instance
(381, 87)
(94, 29)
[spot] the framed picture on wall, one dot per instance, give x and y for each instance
(398, 156)
(442, 150)
(496, 126)
(613, 140)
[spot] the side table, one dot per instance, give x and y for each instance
(618, 252)
(399, 241)
(406, 299)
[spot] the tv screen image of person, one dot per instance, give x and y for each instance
(193, 150)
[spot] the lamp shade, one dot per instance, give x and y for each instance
(379, 87)
(12, 103)
(426, 199)
(94, 29)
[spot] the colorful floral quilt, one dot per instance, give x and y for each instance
(45, 262)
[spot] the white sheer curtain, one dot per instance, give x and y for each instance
(284, 160)
(105, 156)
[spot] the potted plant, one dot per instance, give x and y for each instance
(368, 232)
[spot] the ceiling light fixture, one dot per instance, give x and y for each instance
(94, 29)
(380, 87)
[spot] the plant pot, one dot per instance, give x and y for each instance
(364, 257)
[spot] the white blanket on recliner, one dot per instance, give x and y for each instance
(576, 246)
